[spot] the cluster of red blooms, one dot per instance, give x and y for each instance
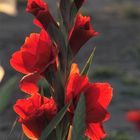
(134, 117)
(43, 56)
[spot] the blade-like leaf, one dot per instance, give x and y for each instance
(13, 126)
(59, 90)
(63, 128)
(88, 64)
(79, 120)
(65, 11)
(64, 8)
(57, 36)
(6, 92)
(52, 136)
(73, 12)
(56, 120)
(44, 88)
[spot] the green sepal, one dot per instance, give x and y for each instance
(73, 13)
(65, 12)
(79, 120)
(58, 38)
(86, 68)
(55, 121)
(63, 128)
(59, 90)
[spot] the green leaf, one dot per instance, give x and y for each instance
(6, 91)
(59, 132)
(65, 12)
(64, 8)
(79, 120)
(59, 90)
(56, 120)
(73, 12)
(88, 63)
(63, 128)
(52, 136)
(57, 36)
(44, 88)
(13, 126)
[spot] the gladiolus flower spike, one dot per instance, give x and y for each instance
(48, 56)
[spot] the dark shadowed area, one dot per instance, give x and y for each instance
(117, 59)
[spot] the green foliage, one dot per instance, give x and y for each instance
(65, 12)
(86, 68)
(130, 80)
(73, 12)
(44, 88)
(59, 90)
(131, 12)
(131, 93)
(79, 120)
(118, 136)
(58, 37)
(56, 120)
(6, 91)
(106, 73)
(63, 128)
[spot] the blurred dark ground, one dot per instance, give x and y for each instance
(117, 59)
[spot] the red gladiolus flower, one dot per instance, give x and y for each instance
(35, 112)
(81, 33)
(98, 97)
(134, 117)
(40, 10)
(35, 56)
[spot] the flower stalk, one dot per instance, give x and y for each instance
(76, 107)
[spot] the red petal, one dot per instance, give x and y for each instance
(32, 128)
(19, 109)
(33, 4)
(28, 83)
(105, 93)
(43, 50)
(17, 62)
(24, 107)
(133, 116)
(74, 69)
(83, 29)
(76, 85)
(37, 23)
(31, 42)
(34, 112)
(95, 131)
(24, 60)
(98, 97)
(29, 133)
(40, 10)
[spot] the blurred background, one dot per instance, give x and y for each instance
(117, 59)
